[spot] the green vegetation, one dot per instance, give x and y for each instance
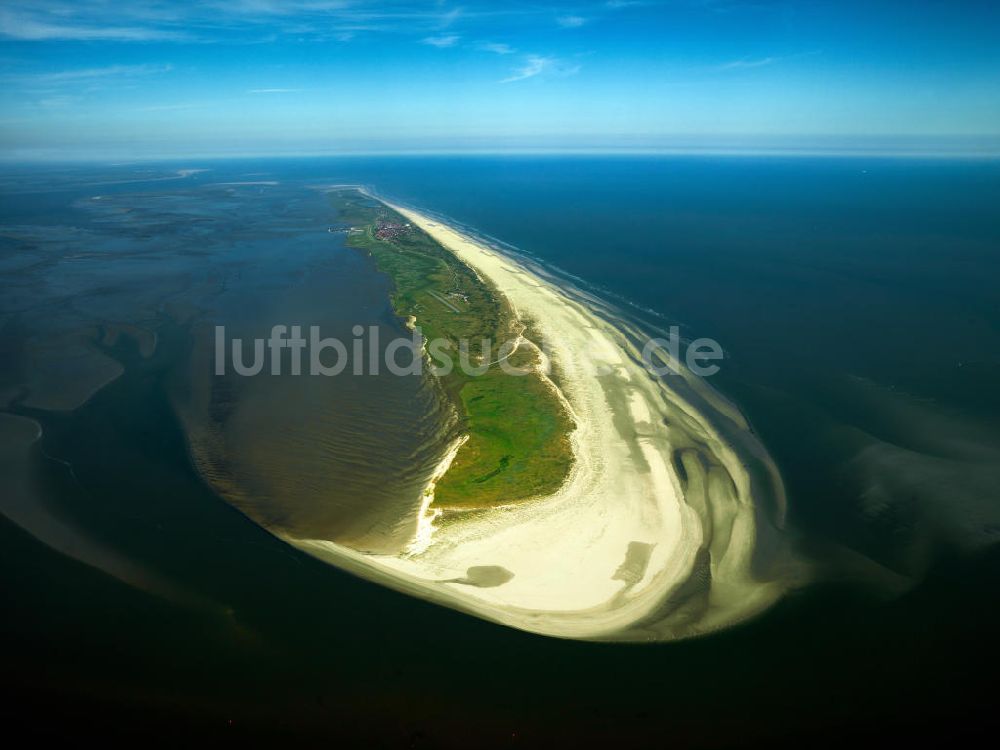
(518, 430)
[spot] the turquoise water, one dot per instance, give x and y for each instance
(856, 302)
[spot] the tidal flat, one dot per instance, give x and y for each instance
(887, 450)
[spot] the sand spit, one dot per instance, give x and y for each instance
(667, 526)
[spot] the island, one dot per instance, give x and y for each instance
(585, 497)
(515, 442)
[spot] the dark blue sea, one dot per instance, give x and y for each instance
(858, 304)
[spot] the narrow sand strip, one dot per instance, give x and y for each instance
(631, 547)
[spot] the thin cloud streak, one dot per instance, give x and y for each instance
(536, 65)
(496, 48)
(87, 74)
(441, 42)
(140, 21)
(24, 28)
(748, 63)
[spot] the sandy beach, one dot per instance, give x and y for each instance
(654, 535)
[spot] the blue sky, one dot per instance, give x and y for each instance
(154, 78)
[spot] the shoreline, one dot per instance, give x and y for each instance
(652, 536)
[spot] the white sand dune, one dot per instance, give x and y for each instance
(657, 533)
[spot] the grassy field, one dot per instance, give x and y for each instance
(518, 430)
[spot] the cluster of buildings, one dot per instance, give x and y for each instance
(388, 230)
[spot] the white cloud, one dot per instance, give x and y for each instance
(536, 65)
(164, 20)
(446, 40)
(497, 48)
(24, 27)
(748, 63)
(280, 7)
(571, 22)
(448, 18)
(84, 75)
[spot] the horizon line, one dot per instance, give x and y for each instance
(791, 151)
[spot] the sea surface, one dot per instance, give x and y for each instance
(857, 303)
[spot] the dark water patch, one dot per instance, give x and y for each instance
(341, 458)
(759, 255)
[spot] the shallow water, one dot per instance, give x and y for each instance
(855, 300)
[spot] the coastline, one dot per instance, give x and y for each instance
(652, 536)
(516, 429)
